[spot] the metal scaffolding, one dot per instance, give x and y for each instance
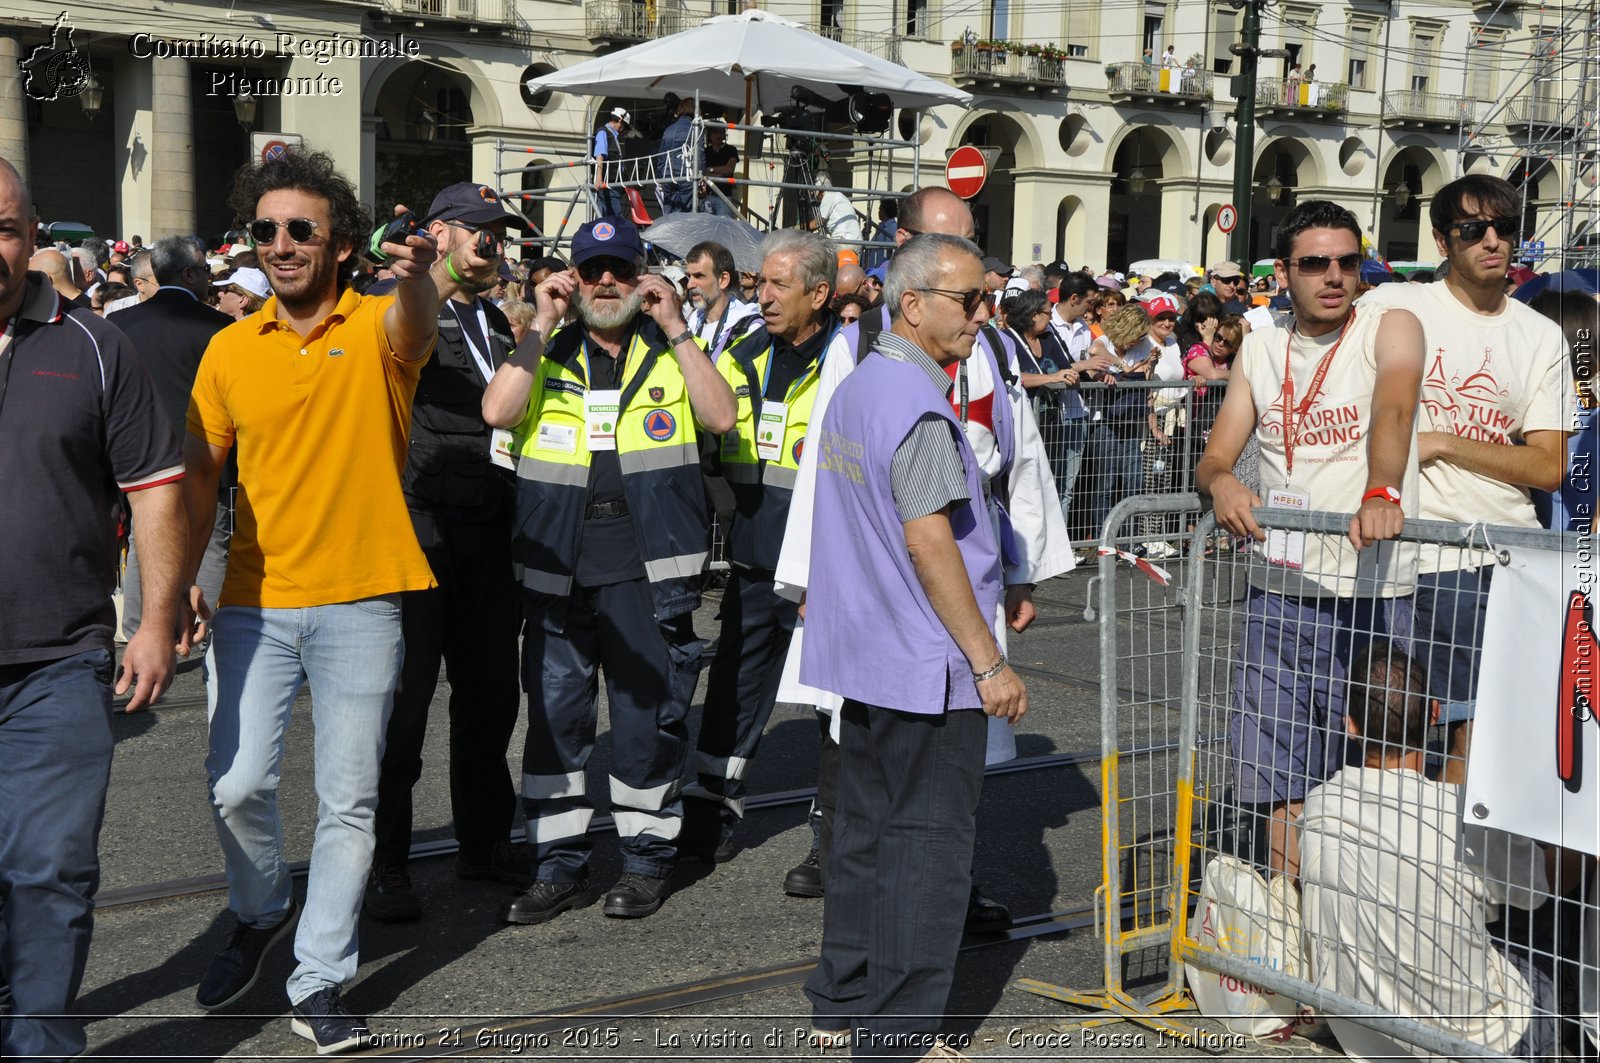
(1544, 123)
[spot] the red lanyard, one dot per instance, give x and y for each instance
(1289, 424)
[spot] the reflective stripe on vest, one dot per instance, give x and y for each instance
(657, 450)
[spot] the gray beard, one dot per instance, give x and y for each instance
(596, 317)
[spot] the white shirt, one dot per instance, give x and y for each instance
(1330, 455)
(837, 219)
(1396, 897)
(1488, 378)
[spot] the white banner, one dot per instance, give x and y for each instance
(1534, 768)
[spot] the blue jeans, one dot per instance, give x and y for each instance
(1115, 472)
(55, 762)
(612, 202)
(351, 655)
(712, 203)
(1064, 441)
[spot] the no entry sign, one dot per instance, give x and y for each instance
(966, 171)
(1227, 217)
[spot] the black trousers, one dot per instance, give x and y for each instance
(898, 876)
(470, 622)
(757, 626)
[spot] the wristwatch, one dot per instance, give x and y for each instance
(1388, 494)
(680, 337)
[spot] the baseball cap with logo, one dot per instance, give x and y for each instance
(606, 238)
(472, 204)
(1156, 305)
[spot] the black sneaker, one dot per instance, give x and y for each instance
(635, 896)
(543, 901)
(323, 1020)
(805, 878)
(389, 897)
(500, 862)
(235, 969)
(706, 839)
(985, 915)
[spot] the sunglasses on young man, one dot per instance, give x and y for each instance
(1319, 263)
(265, 230)
(620, 268)
(1507, 229)
(970, 299)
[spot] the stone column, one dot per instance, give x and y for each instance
(135, 141)
(13, 106)
(171, 162)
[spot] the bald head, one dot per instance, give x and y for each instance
(13, 186)
(934, 210)
(53, 264)
(850, 279)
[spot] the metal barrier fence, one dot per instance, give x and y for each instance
(1110, 442)
(1407, 937)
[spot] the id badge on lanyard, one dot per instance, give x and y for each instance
(770, 432)
(600, 411)
(1287, 549)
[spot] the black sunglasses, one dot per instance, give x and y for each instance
(1235, 279)
(1319, 263)
(1508, 229)
(970, 299)
(265, 230)
(620, 268)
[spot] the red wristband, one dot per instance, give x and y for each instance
(1387, 494)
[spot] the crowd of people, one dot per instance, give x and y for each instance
(349, 469)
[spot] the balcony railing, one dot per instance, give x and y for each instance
(1148, 80)
(497, 12)
(1429, 108)
(627, 21)
(881, 43)
(1294, 94)
(999, 65)
(1537, 112)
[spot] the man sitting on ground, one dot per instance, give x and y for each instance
(1398, 893)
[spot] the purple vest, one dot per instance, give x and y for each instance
(871, 633)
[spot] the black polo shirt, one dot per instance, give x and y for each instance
(79, 422)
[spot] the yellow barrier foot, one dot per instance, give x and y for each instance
(1120, 1008)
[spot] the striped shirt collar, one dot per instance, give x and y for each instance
(903, 350)
(41, 303)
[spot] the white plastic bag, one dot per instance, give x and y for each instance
(1241, 915)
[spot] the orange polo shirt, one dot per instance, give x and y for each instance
(320, 424)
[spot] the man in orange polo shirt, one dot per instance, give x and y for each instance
(315, 392)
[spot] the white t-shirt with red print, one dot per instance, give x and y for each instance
(1486, 378)
(1329, 452)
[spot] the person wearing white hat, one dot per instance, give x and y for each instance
(612, 201)
(242, 293)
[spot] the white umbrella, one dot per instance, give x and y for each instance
(732, 56)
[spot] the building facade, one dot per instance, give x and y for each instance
(1107, 150)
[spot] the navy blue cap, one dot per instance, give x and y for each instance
(607, 237)
(472, 204)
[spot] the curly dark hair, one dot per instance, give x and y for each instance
(1313, 214)
(311, 172)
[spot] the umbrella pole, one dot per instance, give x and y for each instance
(749, 119)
